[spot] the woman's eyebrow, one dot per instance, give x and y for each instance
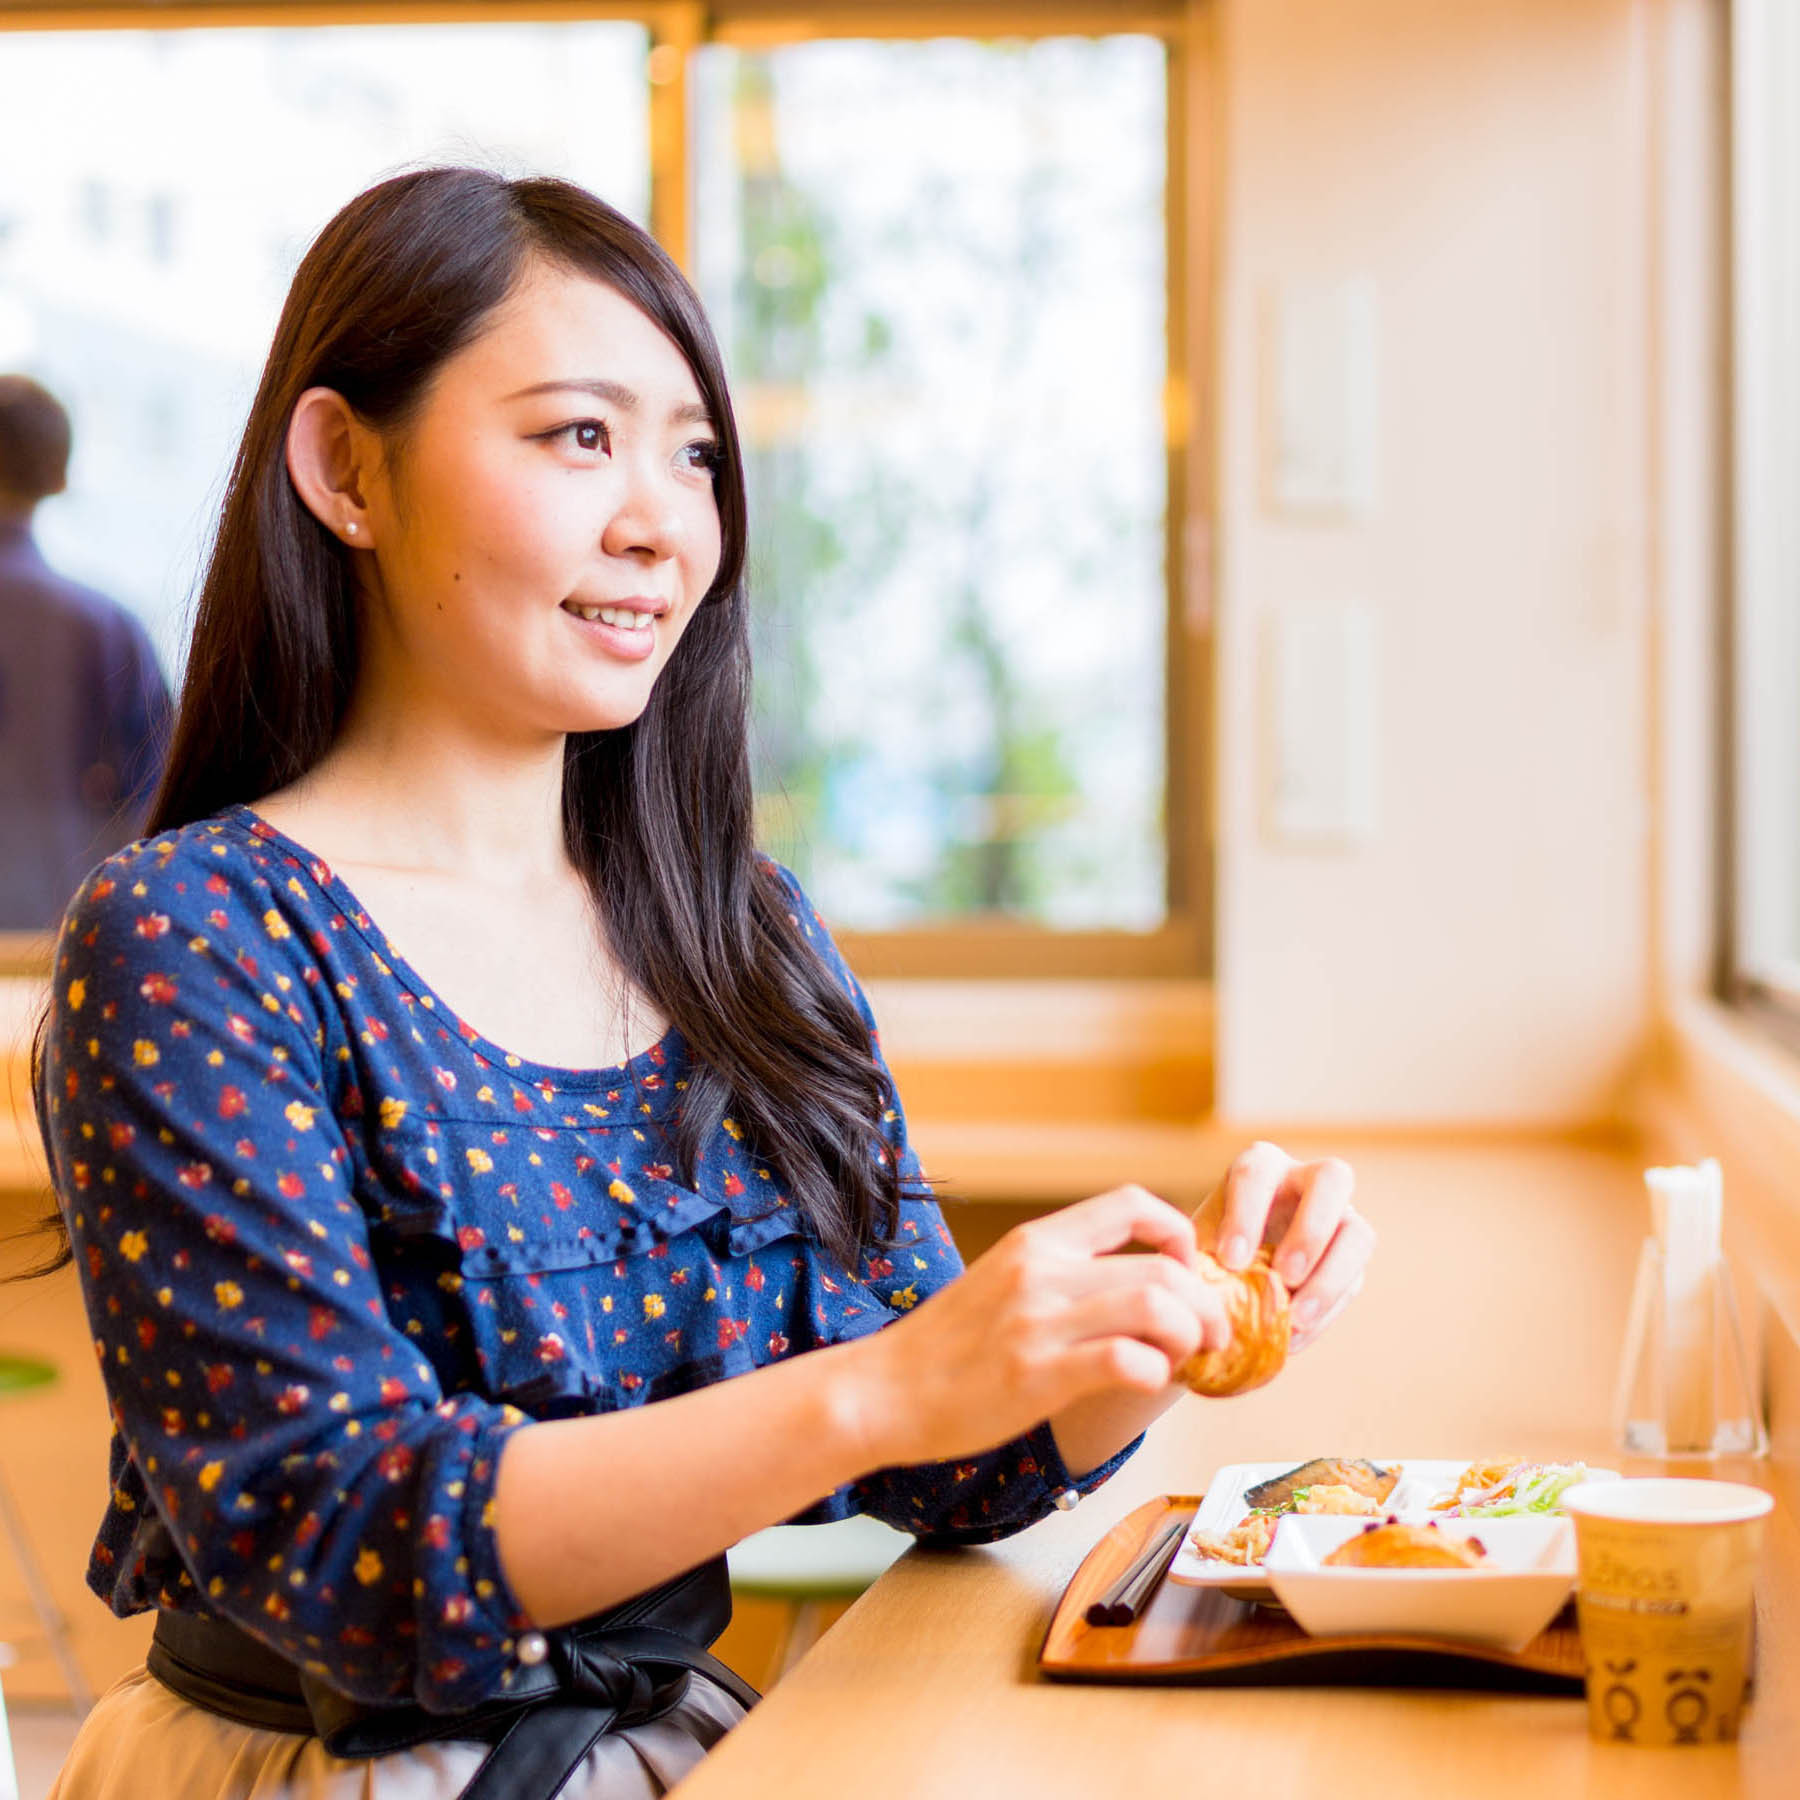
(614, 392)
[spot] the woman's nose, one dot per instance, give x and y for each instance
(647, 521)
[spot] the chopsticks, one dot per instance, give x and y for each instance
(1126, 1599)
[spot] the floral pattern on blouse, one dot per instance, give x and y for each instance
(335, 1246)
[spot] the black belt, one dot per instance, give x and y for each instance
(602, 1674)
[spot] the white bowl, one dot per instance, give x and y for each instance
(1529, 1574)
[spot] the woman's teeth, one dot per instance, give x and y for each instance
(623, 617)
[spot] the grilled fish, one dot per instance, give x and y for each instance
(1364, 1477)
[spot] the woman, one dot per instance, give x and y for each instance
(447, 1079)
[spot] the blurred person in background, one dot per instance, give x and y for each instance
(84, 711)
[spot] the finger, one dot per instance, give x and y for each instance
(1076, 1281)
(1101, 1364)
(1251, 1183)
(1152, 1315)
(1337, 1276)
(1301, 1339)
(1126, 1215)
(1099, 1274)
(1206, 1218)
(1324, 1190)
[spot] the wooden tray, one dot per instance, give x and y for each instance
(1203, 1636)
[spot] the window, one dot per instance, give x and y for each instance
(941, 271)
(1766, 527)
(938, 273)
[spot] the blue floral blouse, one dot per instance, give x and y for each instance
(335, 1246)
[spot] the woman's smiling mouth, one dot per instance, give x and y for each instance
(622, 618)
(624, 630)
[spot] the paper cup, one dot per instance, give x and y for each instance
(1663, 1586)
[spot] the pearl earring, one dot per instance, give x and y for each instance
(350, 527)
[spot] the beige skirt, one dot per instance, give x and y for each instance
(143, 1741)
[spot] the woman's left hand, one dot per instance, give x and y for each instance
(1301, 1213)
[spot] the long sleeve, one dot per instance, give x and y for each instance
(977, 1499)
(973, 1500)
(320, 1488)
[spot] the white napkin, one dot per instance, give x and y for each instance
(1685, 1208)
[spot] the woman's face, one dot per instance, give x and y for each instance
(548, 526)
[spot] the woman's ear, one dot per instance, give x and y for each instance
(328, 455)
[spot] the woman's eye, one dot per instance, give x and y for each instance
(589, 435)
(703, 454)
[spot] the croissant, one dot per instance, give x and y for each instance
(1257, 1304)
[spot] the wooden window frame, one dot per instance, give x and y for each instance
(1181, 947)
(1762, 878)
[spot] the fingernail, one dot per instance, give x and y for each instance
(1293, 1266)
(1305, 1313)
(1236, 1253)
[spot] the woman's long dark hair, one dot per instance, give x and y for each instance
(656, 814)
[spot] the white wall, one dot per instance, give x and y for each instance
(1485, 955)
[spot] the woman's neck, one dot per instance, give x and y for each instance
(404, 789)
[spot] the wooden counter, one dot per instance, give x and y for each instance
(1492, 1322)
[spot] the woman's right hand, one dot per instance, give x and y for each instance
(1047, 1317)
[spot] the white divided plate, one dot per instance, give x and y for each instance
(1505, 1602)
(1422, 1480)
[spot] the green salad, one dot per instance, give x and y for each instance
(1528, 1488)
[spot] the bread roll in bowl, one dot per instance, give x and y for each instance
(1256, 1302)
(1397, 1546)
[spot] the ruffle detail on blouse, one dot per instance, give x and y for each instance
(577, 1207)
(541, 1364)
(605, 1302)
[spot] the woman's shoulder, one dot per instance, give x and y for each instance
(802, 914)
(205, 874)
(786, 886)
(809, 923)
(211, 890)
